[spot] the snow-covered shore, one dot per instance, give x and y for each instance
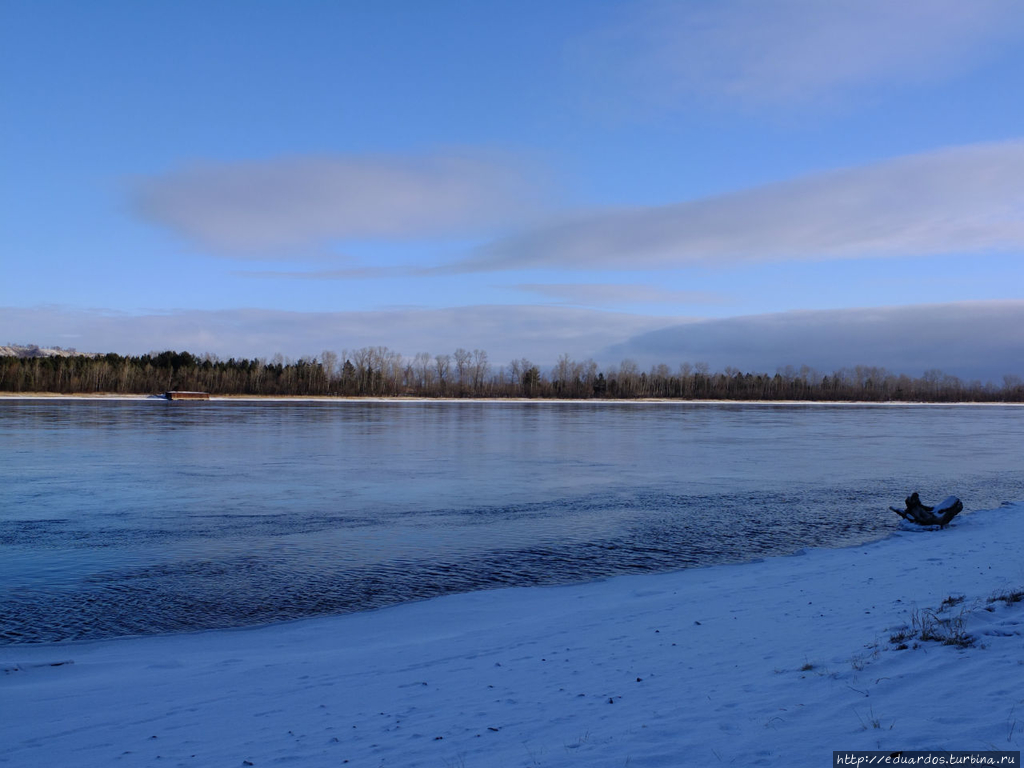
(768, 663)
(537, 402)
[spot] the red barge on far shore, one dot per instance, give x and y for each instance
(176, 395)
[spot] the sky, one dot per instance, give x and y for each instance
(748, 183)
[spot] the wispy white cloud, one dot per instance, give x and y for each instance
(757, 52)
(345, 273)
(962, 199)
(610, 294)
(983, 340)
(294, 205)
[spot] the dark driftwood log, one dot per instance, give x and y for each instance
(916, 512)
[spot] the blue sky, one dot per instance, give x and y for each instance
(523, 177)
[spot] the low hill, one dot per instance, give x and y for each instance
(33, 350)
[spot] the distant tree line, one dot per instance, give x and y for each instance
(381, 372)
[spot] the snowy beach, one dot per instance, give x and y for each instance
(767, 663)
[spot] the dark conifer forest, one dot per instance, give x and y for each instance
(381, 372)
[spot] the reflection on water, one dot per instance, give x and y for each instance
(146, 516)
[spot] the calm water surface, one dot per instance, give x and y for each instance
(128, 517)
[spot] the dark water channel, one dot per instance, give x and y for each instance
(131, 517)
